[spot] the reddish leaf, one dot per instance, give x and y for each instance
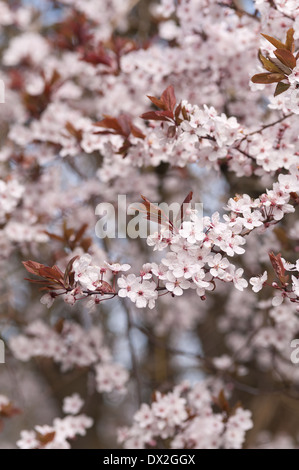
(268, 64)
(276, 263)
(124, 148)
(157, 116)
(167, 101)
(185, 114)
(51, 273)
(222, 402)
(9, 410)
(155, 214)
(281, 87)
(86, 243)
(157, 102)
(122, 126)
(77, 133)
(137, 132)
(290, 40)
(53, 80)
(278, 267)
(54, 236)
(286, 57)
(68, 270)
(171, 132)
(53, 277)
(186, 201)
(58, 327)
(33, 267)
(125, 124)
(267, 78)
(110, 123)
(45, 438)
(105, 288)
(177, 113)
(168, 97)
(80, 232)
(96, 56)
(275, 42)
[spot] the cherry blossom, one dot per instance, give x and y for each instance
(58, 435)
(72, 404)
(179, 417)
(143, 293)
(258, 282)
(198, 103)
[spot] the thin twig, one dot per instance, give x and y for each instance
(258, 131)
(274, 6)
(240, 11)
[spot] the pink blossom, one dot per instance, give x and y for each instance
(72, 404)
(258, 282)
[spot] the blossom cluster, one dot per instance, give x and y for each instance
(10, 195)
(285, 288)
(197, 255)
(63, 430)
(186, 417)
(7, 409)
(200, 136)
(71, 347)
